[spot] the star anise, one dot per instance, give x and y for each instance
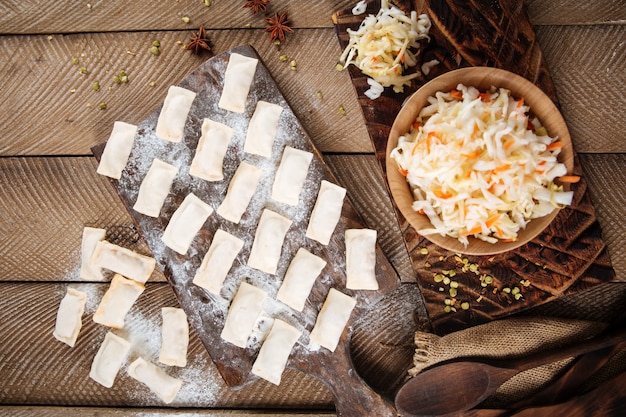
(199, 42)
(278, 25)
(256, 5)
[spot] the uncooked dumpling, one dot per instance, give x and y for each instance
(268, 241)
(275, 351)
(332, 319)
(122, 261)
(262, 129)
(156, 379)
(154, 188)
(361, 259)
(185, 223)
(208, 161)
(117, 150)
(109, 359)
(326, 212)
(116, 302)
(299, 279)
(237, 81)
(218, 261)
(69, 316)
(173, 116)
(174, 337)
(240, 191)
(290, 175)
(91, 237)
(242, 314)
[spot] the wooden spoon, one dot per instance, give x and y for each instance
(458, 386)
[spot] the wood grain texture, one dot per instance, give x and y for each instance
(39, 370)
(26, 17)
(590, 56)
(587, 66)
(46, 203)
(206, 312)
(572, 12)
(51, 411)
(74, 122)
(43, 231)
(568, 256)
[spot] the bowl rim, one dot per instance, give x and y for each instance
(476, 76)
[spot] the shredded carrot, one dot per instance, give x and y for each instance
(555, 145)
(491, 220)
(456, 94)
(474, 230)
(502, 168)
(570, 179)
(416, 124)
(485, 97)
(472, 155)
(403, 172)
(508, 144)
(441, 194)
(499, 231)
(520, 103)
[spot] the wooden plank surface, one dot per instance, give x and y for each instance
(45, 210)
(49, 189)
(80, 124)
(585, 77)
(67, 16)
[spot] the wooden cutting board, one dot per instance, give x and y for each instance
(207, 312)
(569, 256)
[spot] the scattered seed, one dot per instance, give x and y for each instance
(102, 105)
(154, 50)
(152, 84)
(454, 284)
(247, 26)
(446, 280)
(283, 58)
(207, 3)
(185, 19)
(82, 70)
(319, 95)
(50, 37)
(506, 290)
(75, 61)
(129, 52)
(342, 111)
(515, 290)
(447, 309)
(156, 43)
(518, 296)
(73, 90)
(465, 305)
(424, 251)
(277, 42)
(438, 277)
(95, 86)
(453, 292)
(116, 79)
(339, 67)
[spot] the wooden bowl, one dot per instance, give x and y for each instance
(482, 78)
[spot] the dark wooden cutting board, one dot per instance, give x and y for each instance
(207, 312)
(570, 255)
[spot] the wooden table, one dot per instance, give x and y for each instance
(51, 117)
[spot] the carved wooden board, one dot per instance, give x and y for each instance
(568, 257)
(207, 312)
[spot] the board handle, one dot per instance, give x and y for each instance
(353, 396)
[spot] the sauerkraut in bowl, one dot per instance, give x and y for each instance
(479, 161)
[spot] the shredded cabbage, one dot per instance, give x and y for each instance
(381, 47)
(479, 166)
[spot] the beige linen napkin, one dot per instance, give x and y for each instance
(507, 338)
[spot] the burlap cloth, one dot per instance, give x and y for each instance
(507, 338)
